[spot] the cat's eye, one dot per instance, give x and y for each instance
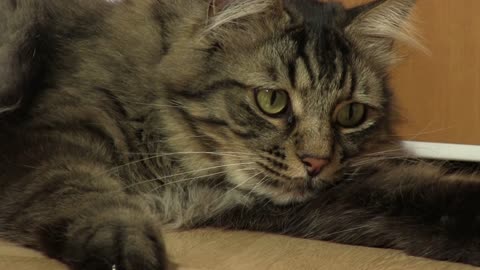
(272, 102)
(351, 115)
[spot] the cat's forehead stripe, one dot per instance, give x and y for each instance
(317, 14)
(320, 60)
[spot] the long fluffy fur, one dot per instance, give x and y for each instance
(129, 123)
(378, 28)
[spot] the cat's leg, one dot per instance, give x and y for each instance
(414, 208)
(60, 195)
(78, 215)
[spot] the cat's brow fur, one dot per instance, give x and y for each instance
(121, 117)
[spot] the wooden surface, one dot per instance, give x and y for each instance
(438, 94)
(217, 250)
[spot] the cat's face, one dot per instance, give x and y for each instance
(302, 110)
(288, 112)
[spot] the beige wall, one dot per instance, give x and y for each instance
(439, 94)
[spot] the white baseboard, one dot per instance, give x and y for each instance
(444, 151)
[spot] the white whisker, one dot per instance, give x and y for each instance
(189, 179)
(158, 155)
(243, 182)
(184, 173)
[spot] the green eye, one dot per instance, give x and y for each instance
(272, 102)
(351, 115)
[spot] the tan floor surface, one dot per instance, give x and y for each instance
(217, 250)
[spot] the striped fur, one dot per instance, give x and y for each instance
(137, 116)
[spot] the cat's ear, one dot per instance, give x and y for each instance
(374, 27)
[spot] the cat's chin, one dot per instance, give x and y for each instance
(291, 197)
(282, 196)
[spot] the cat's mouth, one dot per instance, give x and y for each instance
(281, 179)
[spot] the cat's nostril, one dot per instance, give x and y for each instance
(315, 165)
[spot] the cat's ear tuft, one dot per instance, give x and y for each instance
(226, 12)
(216, 6)
(374, 27)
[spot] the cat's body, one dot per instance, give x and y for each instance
(121, 117)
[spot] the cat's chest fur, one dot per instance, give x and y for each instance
(180, 207)
(182, 185)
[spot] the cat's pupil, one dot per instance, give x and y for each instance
(273, 98)
(350, 112)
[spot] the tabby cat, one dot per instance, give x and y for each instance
(123, 117)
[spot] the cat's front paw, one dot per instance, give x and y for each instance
(115, 242)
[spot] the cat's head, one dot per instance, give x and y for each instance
(290, 91)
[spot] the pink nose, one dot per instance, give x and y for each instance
(315, 165)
